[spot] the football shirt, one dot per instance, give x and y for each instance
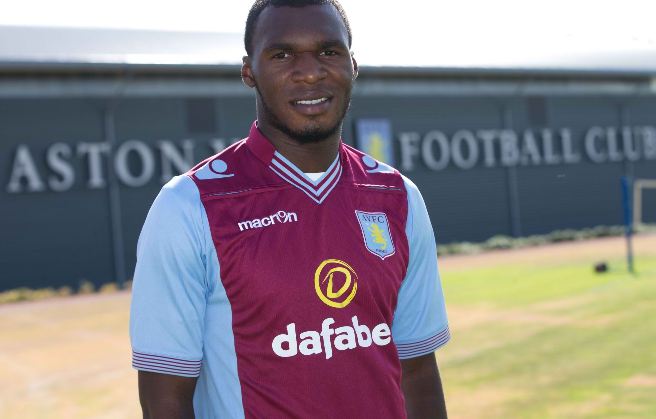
(287, 296)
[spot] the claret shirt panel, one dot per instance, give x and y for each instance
(303, 284)
(314, 280)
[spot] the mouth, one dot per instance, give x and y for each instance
(311, 101)
(312, 106)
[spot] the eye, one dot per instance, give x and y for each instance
(329, 53)
(281, 55)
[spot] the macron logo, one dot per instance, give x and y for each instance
(281, 217)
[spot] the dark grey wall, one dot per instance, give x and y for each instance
(475, 204)
(51, 238)
(60, 238)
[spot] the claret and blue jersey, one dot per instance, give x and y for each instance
(287, 296)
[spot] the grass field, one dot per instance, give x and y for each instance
(536, 334)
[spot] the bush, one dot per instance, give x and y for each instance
(562, 236)
(108, 288)
(26, 294)
(558, 236)
(86, 287)
(499, 242)
(536, 240)
(645, 228)
(12, 296)
(464, 248)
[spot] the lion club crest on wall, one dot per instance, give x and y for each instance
(376, 233)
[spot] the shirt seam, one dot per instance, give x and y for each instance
(166, 355)
(428, 336)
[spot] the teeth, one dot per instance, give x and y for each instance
(312, 102)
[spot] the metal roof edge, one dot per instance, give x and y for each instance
(515, 72)
(102, 67)
(366, 71)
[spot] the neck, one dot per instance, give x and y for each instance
(309, 157)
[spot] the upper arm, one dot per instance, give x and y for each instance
(163, 395)
(169, 293)
(420, 322)
(422, 388)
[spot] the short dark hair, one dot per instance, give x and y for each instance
(260, 5)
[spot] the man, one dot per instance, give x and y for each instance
(290, 276)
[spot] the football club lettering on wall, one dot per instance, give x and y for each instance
(376, 233)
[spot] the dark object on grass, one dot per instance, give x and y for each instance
(601, 267)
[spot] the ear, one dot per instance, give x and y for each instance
(355, 66)
(247, 72)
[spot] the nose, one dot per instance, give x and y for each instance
(308, 68)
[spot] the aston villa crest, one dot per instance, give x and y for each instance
(376, 233)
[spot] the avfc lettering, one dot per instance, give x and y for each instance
(287, 345)
(374, 218)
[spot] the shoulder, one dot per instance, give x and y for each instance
(179, 195)
(418, 218)
(233, 169)
(367, 170)
(180, 188)
(221, 165)
(414, 195)
(175, 217)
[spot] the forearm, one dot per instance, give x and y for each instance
(422, 388)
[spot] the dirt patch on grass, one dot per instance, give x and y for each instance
(642, 380)
(67, 358)
(467, 317)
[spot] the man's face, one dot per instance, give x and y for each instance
(302, 69)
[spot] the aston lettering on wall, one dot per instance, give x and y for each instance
(163, 159)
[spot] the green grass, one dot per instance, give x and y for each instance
(524, 284)
(552, 340)
(545, 339)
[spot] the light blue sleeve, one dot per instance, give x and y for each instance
(170, 285)
(420, 322)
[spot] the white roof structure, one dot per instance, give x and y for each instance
(34, 46)
(43, 48)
